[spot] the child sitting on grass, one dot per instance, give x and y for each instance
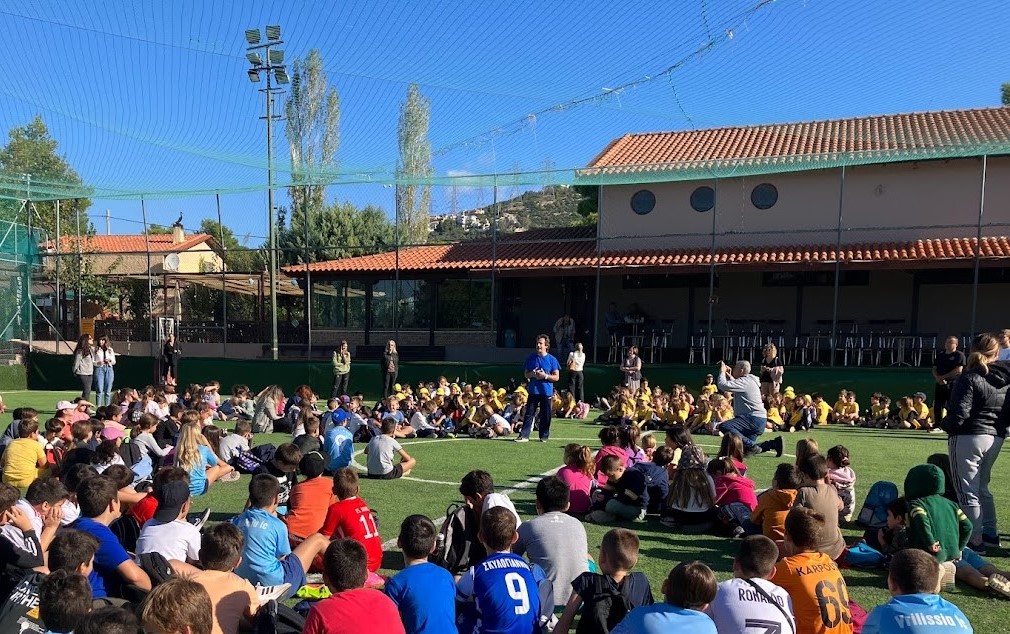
(284, 467)
(750, 596)
(624, 495)
(915, 607)
(610, 438)
(734, 495)
(595, 593)
(815, 493)
(380, 451)
(806, 447)
(688, 591)
(352, 608)
(178, 606)
(935, 524)
(843, 478)
(657, 479)
(769, 516)
(350, 517)
(267, 557)
(812, 578)
(578, 473)
(194, 456)
(233, 599)
(691, 503)
(24, 460)
(64, 599)
(310, 498)
(423, 592)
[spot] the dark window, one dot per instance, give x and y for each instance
(337, 304)
(703, 199)
(764, 196)
(643, 201)
(464, 304)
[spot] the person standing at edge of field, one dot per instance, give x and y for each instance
(84, 365)
(947, 366)
(341, 370)
(542, 371)
(749, 414)
(1004, 345)
(390, 367)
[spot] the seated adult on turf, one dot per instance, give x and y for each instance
(423, 592)
(750, 596)
(380, 451)
(749, 415)
(233, 599)
(915, 608)
(352, 608)
(99, 502)
(267, 558)
(500, 593)
(688, 590)
(554, 540)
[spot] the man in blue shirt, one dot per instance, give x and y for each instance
(423, 592)
(915, 608)
(689, 588)
(542, 371)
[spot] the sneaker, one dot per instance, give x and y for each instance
(272, 593)
(935, 430)
(739, 532)
(753, 451)
(641, 517)
(233, 476)
(200, 519)
(999, 585)
(521, 439)
(992, 541)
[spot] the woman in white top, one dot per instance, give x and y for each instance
(576, 381)
(105, 359)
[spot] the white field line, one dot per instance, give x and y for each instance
(390, 544)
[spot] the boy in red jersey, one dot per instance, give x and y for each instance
(350, 517)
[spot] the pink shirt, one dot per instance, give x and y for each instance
(734, 488)
(609, 450)
(580, 485)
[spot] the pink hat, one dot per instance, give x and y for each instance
(62, 405)
(112, 433)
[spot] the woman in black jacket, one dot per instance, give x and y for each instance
(390, 367)
(977, 427)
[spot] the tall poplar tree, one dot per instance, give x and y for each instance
(413, 198)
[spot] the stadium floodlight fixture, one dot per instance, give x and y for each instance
(252, 36)
(281, 76)
(276, 57)
(254, 75)
(254, 58)
(273, 32)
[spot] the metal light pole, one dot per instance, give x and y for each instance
(274, 68)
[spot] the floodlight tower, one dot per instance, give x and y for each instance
(273, 67)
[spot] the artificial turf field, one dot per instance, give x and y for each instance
(432, 486)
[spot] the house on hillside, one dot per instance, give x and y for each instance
(834, 235)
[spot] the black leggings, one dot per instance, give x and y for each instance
(576, 385)
(86, 381)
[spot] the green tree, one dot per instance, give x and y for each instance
(156, 229)
(340, 230)
(413, 196)
(312, 111)
(31, 151)
(1005, 90)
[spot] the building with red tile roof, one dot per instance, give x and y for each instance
(749, 224)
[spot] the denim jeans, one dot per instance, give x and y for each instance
(104, 375)
(746, 426)
(544, 402)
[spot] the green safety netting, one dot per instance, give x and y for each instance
(19, 257)
(152, 99)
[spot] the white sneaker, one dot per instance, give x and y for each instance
(271, 593)
(201, 519)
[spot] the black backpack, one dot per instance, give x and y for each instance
(126, 528)
(608, 608)
(458, 545)
(274, 618)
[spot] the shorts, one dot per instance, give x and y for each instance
(293, 574)
(397, 472)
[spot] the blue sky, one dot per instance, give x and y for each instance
(153, 98)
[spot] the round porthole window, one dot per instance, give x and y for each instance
(764, 196)
(703, 199)
(643, 201)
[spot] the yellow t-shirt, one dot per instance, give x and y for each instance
(878, 411)
(839, 407)
(20, 462)
(627, 409)
(851, 409)
(709, 390)
(774, 415)
(643, 414)
(823, 409)
(922, 410)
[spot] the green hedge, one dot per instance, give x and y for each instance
(52, 372)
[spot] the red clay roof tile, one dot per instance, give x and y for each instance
(129, 243)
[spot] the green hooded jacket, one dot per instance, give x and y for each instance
(933, 518)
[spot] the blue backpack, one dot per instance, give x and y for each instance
(874, 511)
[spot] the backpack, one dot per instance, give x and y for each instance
(458, 545)
(874, 511)
(156, 567)
(126, 528)
(245, 461)
(265, 452)
(862, 555)
(609, 607)
(54, 458)
(274, 618)
(130, 453)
